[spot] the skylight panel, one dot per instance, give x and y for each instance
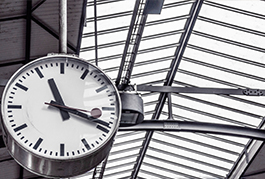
(228, 47)
(184, 152)
(178, 166)
(114, 7)
(231, 15)
(112, 23)
(151, 66)
(226, 74)
(255, 111)
(155, 171)
(226, 61)
(251, 6)
(161, 41)
(229, 33)
(204, 105)
(225, 50)
(147, 76)
(163, 54)
(118, 171)
(205, 116)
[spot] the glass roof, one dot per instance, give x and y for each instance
(217, 44)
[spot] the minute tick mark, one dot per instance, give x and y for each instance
(101, 88)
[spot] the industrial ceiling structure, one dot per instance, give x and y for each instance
(202, 49)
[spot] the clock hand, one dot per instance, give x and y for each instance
(56, 94)
(95, 112)
(78, 113)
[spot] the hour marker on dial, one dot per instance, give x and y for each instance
(84, 74)
(37, 144)
(62, 68)
(20, 127)
(21, 86)
(86, 144)
(14, 106)
(61, 149)
(101, 88)
(102, 129)
(108, 108)
(39, 72)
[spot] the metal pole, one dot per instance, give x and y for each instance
(28, 31)
(127, 43)
(197, 90)
(63, 26)
(96, 32)
(203, 127)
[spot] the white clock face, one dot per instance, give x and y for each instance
(46, 108)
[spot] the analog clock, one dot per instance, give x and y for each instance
(59, 116)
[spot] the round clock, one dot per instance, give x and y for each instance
(59, 116)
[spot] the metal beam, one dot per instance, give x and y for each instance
(134, 52)
(37, 5)
(254, 174)
(245, 159)
(195, 9)
(63, 26)
(227, 91)
(2, 144)
(100, 168)
(247, 156)
(50, 31)
(3, 82)
(128, 40)
(96, 32)
(11, 18)
(202, 127)
(21, 172)
(28, 31)
(81, 27)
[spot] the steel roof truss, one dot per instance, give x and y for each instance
(196, 6)
(128, 58)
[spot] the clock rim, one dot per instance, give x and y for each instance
(15, 148)
(55, 167)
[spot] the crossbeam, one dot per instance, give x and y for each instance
(202, 127)
(227, 91)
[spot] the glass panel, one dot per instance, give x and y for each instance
(223, 51)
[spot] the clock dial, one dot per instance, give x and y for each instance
(61, 108)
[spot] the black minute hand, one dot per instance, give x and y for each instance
(58, 98)
(78, 113)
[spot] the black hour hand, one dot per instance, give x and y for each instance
(58, 98)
